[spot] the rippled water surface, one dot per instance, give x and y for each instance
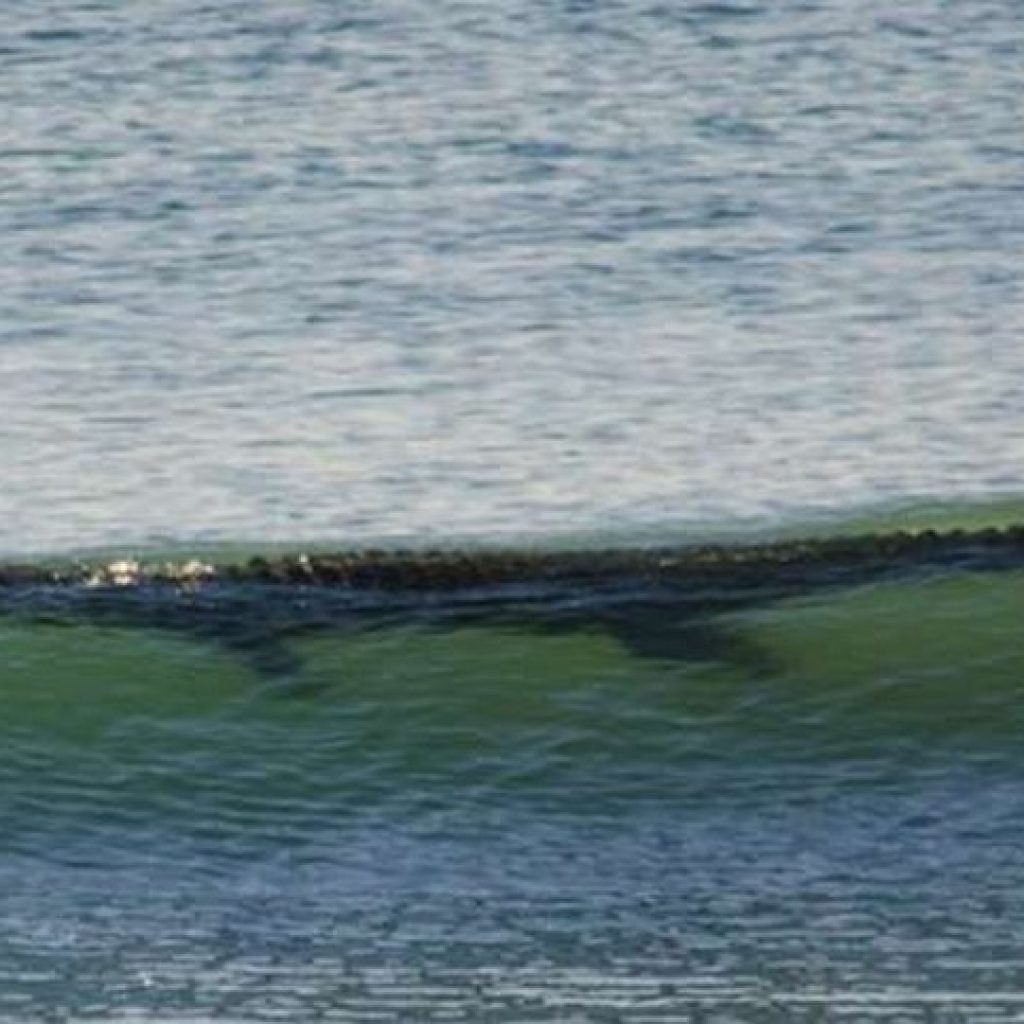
(821, 823)
(289, 272)
(344, 270)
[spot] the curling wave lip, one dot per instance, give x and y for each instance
(813, 561)
(665, 603)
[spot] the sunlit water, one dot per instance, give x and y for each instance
(290, 272)
(422, 269)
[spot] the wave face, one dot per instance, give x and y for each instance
(637, 809)
(657, 602)
(616, 301)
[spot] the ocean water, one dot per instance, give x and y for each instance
(284, 270)
(292, 273)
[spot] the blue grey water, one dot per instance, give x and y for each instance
(409, 270)
(302, 271)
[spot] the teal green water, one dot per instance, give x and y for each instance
(818, 820)
(303, 274)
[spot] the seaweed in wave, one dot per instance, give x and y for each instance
(658, 602)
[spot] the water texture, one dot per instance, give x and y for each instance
(300, 272)
(316, 270)
(480, 823)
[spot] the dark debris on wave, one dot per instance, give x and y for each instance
(661, 603)
(843, 559)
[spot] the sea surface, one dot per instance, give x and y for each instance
(291, 274)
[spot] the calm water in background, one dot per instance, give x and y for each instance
(342, 270)
(297, 271)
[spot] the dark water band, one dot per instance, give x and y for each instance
(663, 603)
(843, 558)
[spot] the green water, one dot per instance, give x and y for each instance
(817, 819)
(320, 274)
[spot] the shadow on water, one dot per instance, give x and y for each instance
(573, 713)
(517, 812)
